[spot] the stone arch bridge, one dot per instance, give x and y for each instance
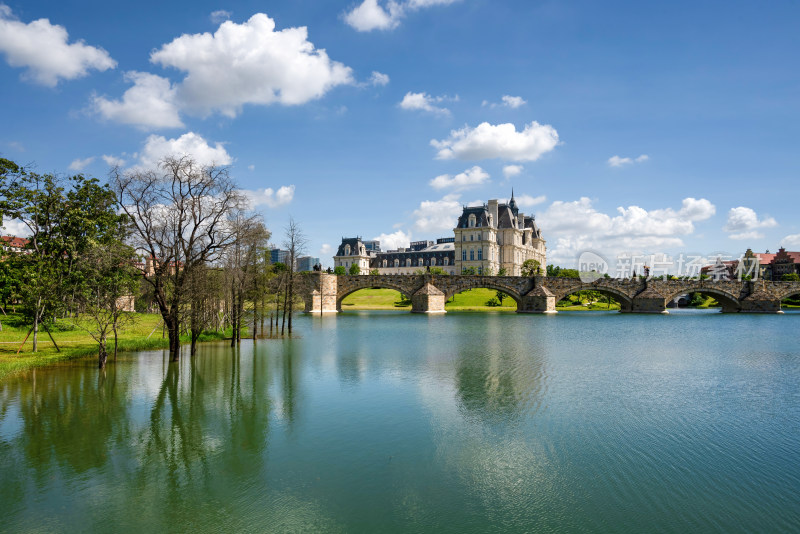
(323, 293)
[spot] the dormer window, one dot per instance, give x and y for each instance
(472, 220)
(347, 250)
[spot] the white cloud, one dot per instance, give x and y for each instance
(219, 16)
(513, 101)
(527, 201)
(150, 103)
(325, 249)
(498, 141)
(512, 170)
(469, 178)
(80, 164)
(378, 78)
(370, 15)
(250, 63)
(424, 102)
(616, 161)
(270, 198)
(113, 161)
(573, 227)
(15, 227)
(791, 241)
(157, 147)
(743, 222)
(394, 240)
(251, 168)
(42, 48)
(436, 216)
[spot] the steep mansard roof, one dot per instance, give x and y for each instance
(355, 245)
(481, 216)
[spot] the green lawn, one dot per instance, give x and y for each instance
(74, 342)
(389, 299)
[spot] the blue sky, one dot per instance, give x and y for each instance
(623, 126)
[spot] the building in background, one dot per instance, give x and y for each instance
(486, 239)
(306, 263)
(277, 255)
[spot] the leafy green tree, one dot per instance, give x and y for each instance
(374, 272)
(339, 269)
(64, 218)
(355, 269)
(502, 272)
(108, 280)
(790, 277)
(501, 297)
(469, 271)
(531, 268)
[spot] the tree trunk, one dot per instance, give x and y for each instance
(291, 301)
(35, 331)
(102, 353)
(234, 310)
(195, 335)
(173, 332)
(116, 340)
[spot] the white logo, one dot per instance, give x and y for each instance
(591, 266)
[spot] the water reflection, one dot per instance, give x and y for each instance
(398, 422)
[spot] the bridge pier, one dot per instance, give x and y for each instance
(428, 299)
(648, 302)
(323, 297)
(538, 300)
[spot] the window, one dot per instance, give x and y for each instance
(396, 262)
(408, 262)
(471, 237)
(472, 221)
(347, 250)
(471, 255)
(480, 270)
(385, 263)
(480, 253)
(463, 255)
(433, 261)
(445, 261)
(420, 262)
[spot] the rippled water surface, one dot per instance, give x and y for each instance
(393, 422)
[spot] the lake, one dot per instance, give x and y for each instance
(395, 422)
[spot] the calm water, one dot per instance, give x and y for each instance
(393, 422)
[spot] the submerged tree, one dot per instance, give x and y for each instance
(182, 217)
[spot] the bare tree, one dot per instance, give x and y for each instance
(295, 242)
(182, 215)
(242, 263)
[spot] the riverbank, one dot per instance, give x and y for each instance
(144, 333)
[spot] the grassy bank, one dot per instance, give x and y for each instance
(142, 334)
(470, 300)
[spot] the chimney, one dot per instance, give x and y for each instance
(493, 212)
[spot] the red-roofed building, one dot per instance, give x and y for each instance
(10, 243)
(785, 262)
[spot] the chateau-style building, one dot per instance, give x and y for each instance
(486, 239)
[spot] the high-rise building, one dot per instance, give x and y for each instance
(306, 263)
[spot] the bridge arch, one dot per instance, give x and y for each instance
(625, 302)
(729, 303)
(373, 284)
(486, 282)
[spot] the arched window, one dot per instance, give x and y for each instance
(420, 262)
(347, 250)
(433, 262)
(408, 262)
(472, 221)
(445, 261)
(384, 263)
(396, 262)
